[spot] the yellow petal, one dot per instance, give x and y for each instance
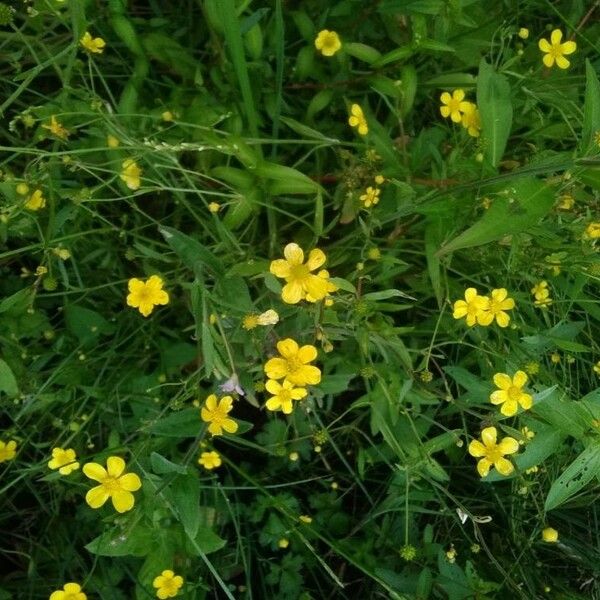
(280, 268)
(288, 348)
(548, 60)
(499, 294)
(568, 47)
(307, 354)
(519, 379)
(488, 436)
(316, 286)
(562, 62)
(316, 258)
(306, 375)
(502, 319)
(230, 426)
(470, 294)
(292, 292)
(526, 401)
(458, 95)
(445, 111)
(276, 368)
(477, 449)
(97, 496)
(226, 404)
(115, 466)
(273, 387)
(273, 403)
(130, 482)
(123, 501)
(509, 408)
(446, 98)
(502, 381)
(508, 445)
(504, 467)
(485, 318)
(135, 285)
(293, 254)
(298, 393)
(95, 471)
(483, 467)
(556, 36)
(211, 402)
(498, 397)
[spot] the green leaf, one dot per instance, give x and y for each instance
(495, 108)
(524, 204)
(386, 294)
(185, 423)
(162, 465)
(591, 108)
(206, 541)
(8, 382)
(184, 493)
(86, 324)
(579, 473)
(137, 542)
(192, 253)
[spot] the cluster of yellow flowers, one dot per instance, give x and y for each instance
(482, 310)
(541, 293)
(34, 201)
(461, 111)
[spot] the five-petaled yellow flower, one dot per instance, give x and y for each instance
(592, 231)
(293, 364)
(498, 304)
(36, 201)
(471, 120)
(357, 119)
(283, 395)
(328, 42)
(56, 128)
(70, 591)
(541, 294)
(63, 460)
(210, 460)
(554, 51)
(550, 535)
(8, 450)
(454, 105)
(114, 484)
(214, 412)
(167, 584)
(131, 174)
(490, 453)
(474, 307)
(370, 197)
(145, 295)
(299, 279)
(330, 287)
(510, 393)
(93, 45)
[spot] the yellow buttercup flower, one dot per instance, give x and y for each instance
(145, 295)
(541, 294)
(471, 120)
(498, 304)
(554, 51)
(70, 591)
(454, 105)
(112, 141)
(214, 412)
(56, 128)
(167, 584)
(269, 317)
(299, 279)
(550, 535)
(131, 174)
(114, 484)
(92, 45)
(330, 288)
(357, 119)
(523, 33)
(8, 450)
(210, 460)
(370, 197)
(293, 364)
(283, 395)
(36, 201)
(283, 543)
(510, 393)
(63, 460)
(328, 42)
(474, 307)
(492, 454)
(592, 231)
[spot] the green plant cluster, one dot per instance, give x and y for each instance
(195, 144)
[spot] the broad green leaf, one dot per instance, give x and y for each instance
(521, 207)
(206, 541)
(8, 382)
(579, 473)
(21, 300)
(495, 108)
(591, 108)
(192, 252)
(184, 493)
(137, 542)
(86, 324)
(162, 465)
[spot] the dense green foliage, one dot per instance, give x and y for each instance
(202, 139)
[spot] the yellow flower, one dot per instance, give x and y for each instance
(370, 197)
(131, 174)
(22, 188)
(499, 302)
(269, 317)
(379, 179)
(146, 295)
(357, 119)
(299, 279)
(471, 120)
(112, 141)
(555, 358)
(114, 484)
(283, 543)
(597, 368)
(63, 460)
(36, 201)
(293, 456)
(473, 307)
(523, 33)
(210, 460)
(554, 51)
(592, 231)
(167, 584)
(305, 519)
(330, 288)
(250, 322)
(56, 128)
(510, 393)
(527, 434)
(283, 394)
(566, 202)
(328, 42)
(374, 253)
(293, 365)
(550, 535)
(453, 105)
(214, 207)
(62, 253)
(491, 453)
(92, 45)
(70, 591)
(542, 294)
(214, 412)
(8, 450)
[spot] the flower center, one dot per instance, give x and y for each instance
(555, 50)
(111, 484)
(217, 417)
(493, 454)
(514, 392)
(284, 396)
(299, 272)
(293, 364)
